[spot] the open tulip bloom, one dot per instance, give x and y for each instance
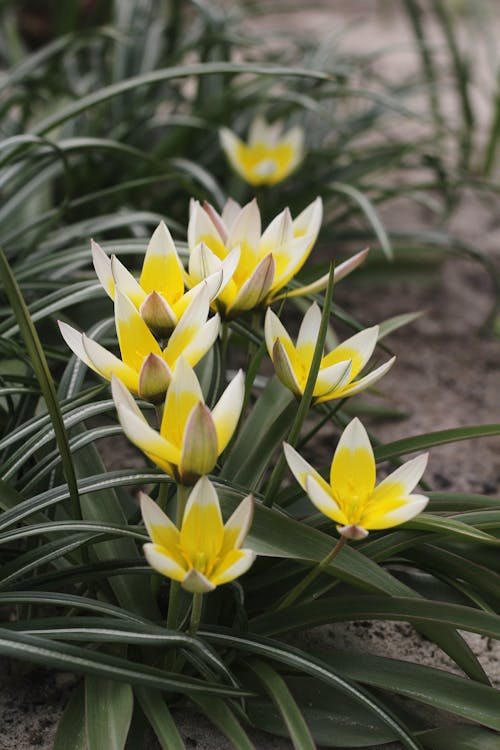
(339, 369)
(159, 295)
(145, 367)
(191, 436)
(204, 552)
(351, 499)
(268, 157)
(266, 261)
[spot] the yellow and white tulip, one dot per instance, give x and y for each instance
(351, 498)
(159, 295)
(145, 368)
(338, 369)
(204, 552)
(269, 156)
(191, 436)
(265, 261)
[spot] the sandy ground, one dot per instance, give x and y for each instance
(446, 375)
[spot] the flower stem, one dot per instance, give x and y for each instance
(294, 594)
(175, 587)
(196, 610)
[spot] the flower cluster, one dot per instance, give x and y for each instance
(168, 319)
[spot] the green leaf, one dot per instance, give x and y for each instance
(70, 733)
(462, 737)
(281, 696)
(433, 687)
(335, 719)
(392, 324)
(262, 431)
(75, 659)
(305, 663)
(431, 439)
(42, 372)
(156, 711)
(348, 608)
(443, 525)
(108, 713)
(369, 211)
(221, 715)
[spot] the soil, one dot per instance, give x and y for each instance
(446, 375)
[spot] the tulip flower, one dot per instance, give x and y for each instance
(268, 157)
(351, 499)
(338, 369)
(267, 260)
(146, 368)
(191, 437)
(204, 552)
(159, 294)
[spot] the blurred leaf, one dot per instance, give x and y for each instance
(108, 713)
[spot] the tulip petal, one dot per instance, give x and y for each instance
(340, 272)
(196, 583)
(202, 531)
(107, 365)
(74, 339)
(134, 337)
(123, 398)
(217, 220)
(162, 270)
(183, 394)
(402, 481)
(148, 440)
(227, 411)
(323, 501)
(246, 230)
(283, 366)
(352, 531)
(238, 525)
(154, 379)
(158, 525)
(230, 212)
(202, 341)
(202, 229)
(199, 445)
(301, 469)
(331, 381)
(309, 220)
(274, 329)
(408, 507)
(359, 348)
(294, 139)
(102, 266)
(278, 235)
(308, 334)
(163, 563)
(128, 285)
(261, 132)
(367, 380)
(290, 259)
(352, 473)
(158, 315)
(232, 566)
(232, 146)
(256, 288)
(189, 325)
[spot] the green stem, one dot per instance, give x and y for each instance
(196, 610)
(175, 587)
(306, 399)
(294, 594)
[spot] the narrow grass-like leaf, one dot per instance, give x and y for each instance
(369, 212)
(221, 715)
(281, 696)
(157, 713)
(42, 372)
(432, 439)
(70, 733)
